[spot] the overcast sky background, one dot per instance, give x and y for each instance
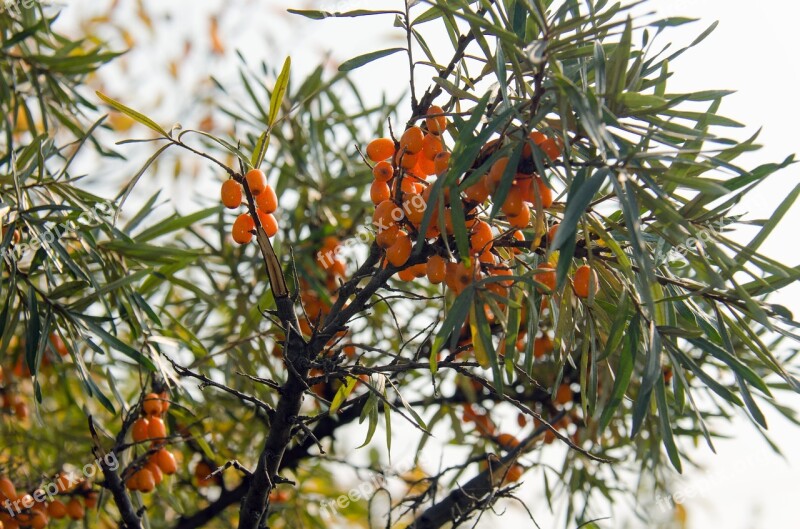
(754, 51)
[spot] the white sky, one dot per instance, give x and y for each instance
(754, 50)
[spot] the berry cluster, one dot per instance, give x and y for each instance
(31, 510)
(266, 201)
(160, 461)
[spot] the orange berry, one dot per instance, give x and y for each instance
(145, 481)
(507, 441)
(243, 227)
(132, 482)
(542, 346)
(75, 509)
(231, 194)
(481, 238)
(463, 276)
(431, 146)
(477, 192)
(152, 404)
(202, 472)
(514, 474)
(414, 206)
(380, 149)
(387, 237)
(419, 270)
(267, 201)
(406, 275)
(412, 140)
(154, 469)
(551, 233)
(256, 181)
(546, 276)
(544, 192)
(379, 191)
(563, 394)
(156, 428)
(512, 206)
(140, 430)
(386, 214)
(406, 160)
(164, 401)
(585, 280)
(551, 148)
(166, 461)
(523, 219)
(7, 490)
(495, 173)
(411, 185)
(37, 519)
(537, 138)
(90, 500)
(57, 510)
(400, 251)
(268, 222)
(425, 167)
(436, 123)
(383, 171)
(522, 420)
(436, 269)
(441, 161)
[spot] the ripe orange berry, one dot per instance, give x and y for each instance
(268, 222)
(463, 276)
(164, 401)
(512, 206)
(379, 191)
(75, 509)
(495, 173)
(387, 237)
(551, 233)
(145, 481)
(544, 192)
(57, 510)
(441, 161)
(514, 474)
(256, 181)
(380, 149)
(412, 140)
(414, 207)
(546, 276)
(400, 251)
(477, 192)
(585, 280)
(37, 519)
(411, 185)
(154, 469)
(152, 404)
(132, 482)
(383, 171)
(156, 428)
(202, 472)
(425, 167)
(165, 461)
(231, 194)
(243, 227)
(436, 123)
(406, 275)
(537, 138)
(522, 420)
(386, 214)
(431, 146)
(523, 219)
(481, 238)
(436, 269)
(267, 201)
(507, 441)
(551, 148)
(542, 346)
(140, 430)
(7, 490)
(563, 394)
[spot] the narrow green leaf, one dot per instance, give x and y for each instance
(136, 116)
(361, 60)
